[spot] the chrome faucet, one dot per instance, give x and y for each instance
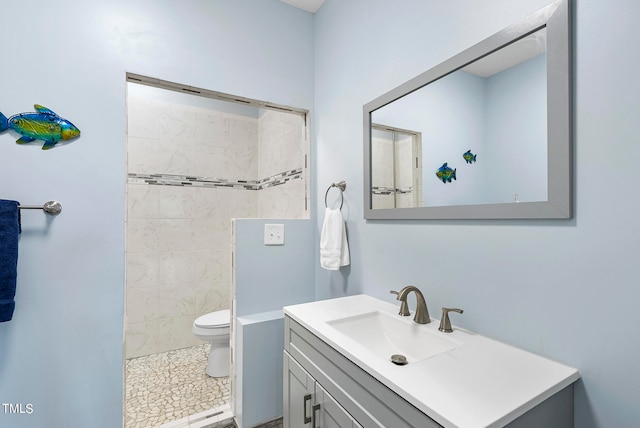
(445, 322)
(422, 313)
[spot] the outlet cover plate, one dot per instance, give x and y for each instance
(274, 234)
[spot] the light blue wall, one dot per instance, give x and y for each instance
(259, 367)
(269, 277)
(62, 352)
(564, 289)
(516, 116)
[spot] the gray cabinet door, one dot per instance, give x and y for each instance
(298, 395)
(330, 414)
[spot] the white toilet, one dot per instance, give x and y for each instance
(214, 328)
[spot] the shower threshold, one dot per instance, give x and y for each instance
(218, 417)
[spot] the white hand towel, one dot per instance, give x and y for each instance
(334, 248)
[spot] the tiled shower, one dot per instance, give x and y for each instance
(193, 164)
(396, 177)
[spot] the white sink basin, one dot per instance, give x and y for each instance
(386, 335)
(459, 379)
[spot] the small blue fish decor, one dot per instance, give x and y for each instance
(469, 157)
(43, 124)
(445, 173)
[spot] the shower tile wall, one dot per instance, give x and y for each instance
(396, 176)
(382, 175)
(178, 235)
(408, 180)
(279, 141)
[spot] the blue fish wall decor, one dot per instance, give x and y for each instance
(43, 124)
(445, 173)
(469, 157)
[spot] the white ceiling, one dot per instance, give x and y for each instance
(510, 55)
(308, 5)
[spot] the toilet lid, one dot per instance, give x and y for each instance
(214, 319)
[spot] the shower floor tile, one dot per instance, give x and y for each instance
(165, 387)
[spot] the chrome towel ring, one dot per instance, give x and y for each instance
(342, 185)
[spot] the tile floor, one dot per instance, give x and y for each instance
(273, 424)
(170, 386)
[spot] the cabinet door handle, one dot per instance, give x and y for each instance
(314, 409)
(307, 398)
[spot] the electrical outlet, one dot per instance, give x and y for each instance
(274, 234)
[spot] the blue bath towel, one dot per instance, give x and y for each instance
(9, 231)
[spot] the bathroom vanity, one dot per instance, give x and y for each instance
(338, 373)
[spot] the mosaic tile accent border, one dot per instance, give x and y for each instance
(278, 179)
(390, 190)
(190, 180)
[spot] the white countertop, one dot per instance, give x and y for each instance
(481, 383)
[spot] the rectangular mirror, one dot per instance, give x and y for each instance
(484, 135)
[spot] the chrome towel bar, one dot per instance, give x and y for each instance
(50, 207)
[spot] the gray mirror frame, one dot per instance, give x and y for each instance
(556, 17)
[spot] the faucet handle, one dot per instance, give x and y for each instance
(445, 324)
(404, 307)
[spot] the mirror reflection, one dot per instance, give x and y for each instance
(475, 136)
(396, 181)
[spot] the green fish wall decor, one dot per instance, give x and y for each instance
(445, 173)
(469, 157)
(43, 124)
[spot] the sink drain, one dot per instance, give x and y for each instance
(399, 360)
